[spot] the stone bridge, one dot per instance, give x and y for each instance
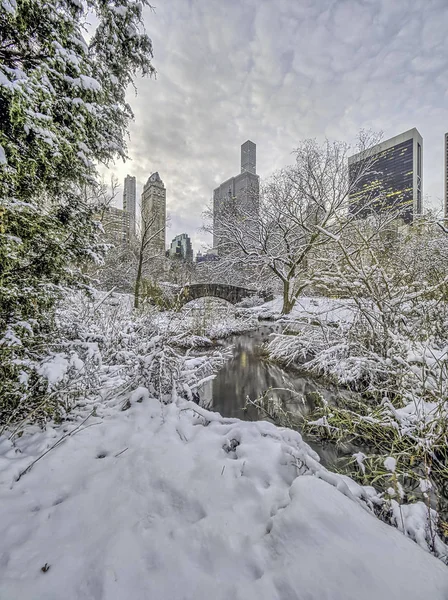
(231, 293)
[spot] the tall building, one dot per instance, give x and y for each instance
(249, 157)
(243, 189)
(181, 247)
(393, 180)
(445, 159)
(154, 215)
(115, 223)
(129, 201)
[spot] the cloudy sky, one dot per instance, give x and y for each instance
(276, 72)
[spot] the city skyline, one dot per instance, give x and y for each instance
(303, 71)
(248, 169)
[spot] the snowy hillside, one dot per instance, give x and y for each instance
(174, 502)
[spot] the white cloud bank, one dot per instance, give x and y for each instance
(276, 72)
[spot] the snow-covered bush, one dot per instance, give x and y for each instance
(385, 485)
(162, 295)
(394, 352)
(200, 322)
(137, 349)
(101, 347)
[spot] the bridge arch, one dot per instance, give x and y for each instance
(232, 293)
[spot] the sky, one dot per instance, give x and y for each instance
(277, 72)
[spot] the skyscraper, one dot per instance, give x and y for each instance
(154, 215)
(129, 201)
(243, 188)
(181, 247)
(394, 179)
(249, 157)
(445, 160)
(116, 225)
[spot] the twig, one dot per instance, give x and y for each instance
(105, 298)
(121, 452)
(30, 466)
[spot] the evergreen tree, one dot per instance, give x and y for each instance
(62, 111)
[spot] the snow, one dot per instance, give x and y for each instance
(336, 238)
(3, 160)
(10, 338)
(409, 517)
(89, 83)
(425, 485)
(9, 6)
(174, 502)
(390, 463)
(119, 10)
(309, 307)
(54, 369)
(360, 458)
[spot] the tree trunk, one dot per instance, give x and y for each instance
(287, 303)
(138, 280)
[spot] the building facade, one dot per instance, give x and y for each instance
(181, 247)
(394, 179)
(445, 178)
(209, 256)
(153, 213)
(115, 223)
(243, 190)
(130, 201)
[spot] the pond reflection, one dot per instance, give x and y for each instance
(247, 374)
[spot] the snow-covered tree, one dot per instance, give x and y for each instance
(394, 344)
(62, 111)
(62, 100)
(301, 208)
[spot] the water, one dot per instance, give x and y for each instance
(247, 374)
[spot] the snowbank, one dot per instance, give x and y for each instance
(331, 310)
(173, 502)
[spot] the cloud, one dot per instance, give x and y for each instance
(276, 72)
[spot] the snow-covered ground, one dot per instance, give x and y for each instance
(172, 502)
(309, 307)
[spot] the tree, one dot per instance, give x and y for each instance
(180, 270)
(62, 101)
(392, 343)
(150, 253)
(301, 208)
(129, 260)
(116, 271)
(62, 111)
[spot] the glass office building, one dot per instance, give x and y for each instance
(181, 247)
(393, 179)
